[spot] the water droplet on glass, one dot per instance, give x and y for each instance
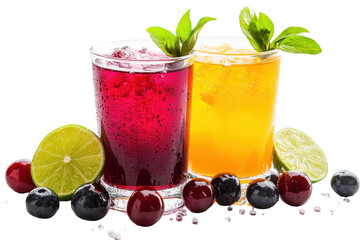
(346, 200)
(230, 208)
(228, 219)
(327, 195)
(242, 211)
(183, 212)
(301, 211)
(179, 217)
(114, 235)
(317, 209)
(252, 212)
(332, 211)
(101, 227)
(195, 221)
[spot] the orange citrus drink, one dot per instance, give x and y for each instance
(233, 108)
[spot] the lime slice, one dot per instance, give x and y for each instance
(294, 150)
(67, 158)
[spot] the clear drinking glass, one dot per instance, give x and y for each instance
(233, 109)
(143, 108)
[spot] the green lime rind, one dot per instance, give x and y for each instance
(66, 158)
(295, 150)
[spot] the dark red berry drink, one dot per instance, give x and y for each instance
(143, 103)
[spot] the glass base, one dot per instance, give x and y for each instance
(244, 183)
(171, 196)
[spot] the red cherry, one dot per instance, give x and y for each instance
(198, 195)
(295, 187)
(18, 176)
(145, 207)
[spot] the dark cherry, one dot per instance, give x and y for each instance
(198, 195)
(262, 193)
(145, 207)
(42, 203)
(273, 177)
(18, 176)
(295, 187)
(227, 188)
(345, 183)
(90, 202)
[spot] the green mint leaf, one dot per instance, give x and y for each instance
(160, 37)
(247, 20)
(183, 29)
(288, 32)
(189, 44)
(173, 47)
(299, 44)
(266, 30)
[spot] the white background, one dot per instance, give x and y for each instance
(46, 82)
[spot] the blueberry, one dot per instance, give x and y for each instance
(262, 194)
(42, 203)
(345, 183)
(227, 188)
(91, 202)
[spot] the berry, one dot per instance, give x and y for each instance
(294, 187)
(274, 177)
(90, 201)
(42, 203)
(262, 194)
(227, 188)
(198, 195)
(345, 183)
(18, 176)
(145, 207)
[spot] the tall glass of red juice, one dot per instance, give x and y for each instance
(143, 105)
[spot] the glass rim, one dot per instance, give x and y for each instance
(232, 39)
(160, 60)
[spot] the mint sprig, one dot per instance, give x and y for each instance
(185, 39)
(259, 29)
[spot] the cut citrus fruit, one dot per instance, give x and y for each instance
(67, 158)
(294, 150)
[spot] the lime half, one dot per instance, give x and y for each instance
(294, 150)
(67, 158)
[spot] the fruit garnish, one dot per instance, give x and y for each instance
(294, 187)
(227, 188)
(145, 207)
(91, 202)
(262, 194)
(185, 39)
(345, 183)
(295, 150)
(18, 176)
(198, 195)
(67, 158)
(259, 29)
(273, 177)
(42, 203)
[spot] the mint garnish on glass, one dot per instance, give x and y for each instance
(185, 39)
(259, 30)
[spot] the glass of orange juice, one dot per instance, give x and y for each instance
(233, 109)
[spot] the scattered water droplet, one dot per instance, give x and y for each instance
(171, 219)
(301, 211)
(195, 221)
(242, 211)
(346, 200)
(4, 202)
(179, 217)
(101, 227)
(332, 211)
(262, 214)
(230, 208)
(317, 209)
(228, 219)
(114, 235)
(327, 195)
(183, 212)
(252, 212)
